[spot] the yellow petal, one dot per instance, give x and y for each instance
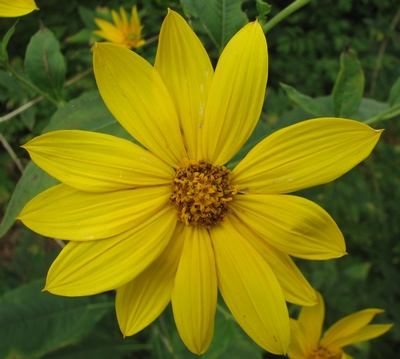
(298, 342)
(236, 95)
(85, 268)
(346, 356)
(194, 298)
(95, 162)
(118, 21)
(108, 31)
(186, 69)
(311, 320)
(369, 332)
(136, 95)
(142, 300)
(295, 287)
(16, 7)
(341, 333)
(307, 154)
(66, 213)
(292, 224)
(250, 290)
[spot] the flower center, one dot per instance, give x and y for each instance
(201, 193)
(324, 353)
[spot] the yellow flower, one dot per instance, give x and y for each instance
(16, 8)
(170, 222)
(306, 332)
(122, 32)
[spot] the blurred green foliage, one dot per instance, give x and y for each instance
(304, 51)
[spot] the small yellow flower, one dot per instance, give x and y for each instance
(170, 222)
(14, 8)
(123, 32)
(306, 332)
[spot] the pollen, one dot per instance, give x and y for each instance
(201, 193)
(324, 353)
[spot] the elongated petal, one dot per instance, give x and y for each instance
(298, 342)
(194, 298)
(346, 356)
(95, 162)
(250, 290)
(66, 213)
(311, 320)
(348, 327)
(108, 31)
(292, 224)
(136, 95)
(142, 300)
(295, 287)
(369, 332)
(307, 154)
(186, 69)
(236, 94)
(16, 7)
(85, 268)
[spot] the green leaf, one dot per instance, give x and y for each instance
(5, 41)
(33, 323)
(87, 112)
(349, 86)
(87, 16)
(224, 332)
(221, 19)
(33, 181)
(394, 97)
(45, 64)
(307, 103)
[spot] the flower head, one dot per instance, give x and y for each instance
(306, 332)
(16, 7)
(124, 32)
(171, 222)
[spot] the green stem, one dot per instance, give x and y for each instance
(12, 72)
(385, 115)
(294, 6)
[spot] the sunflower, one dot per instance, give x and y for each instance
(355, 328)
(124, 32)
(16, 7)
(169, 221)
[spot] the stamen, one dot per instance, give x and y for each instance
(201, 193)
(322, 352)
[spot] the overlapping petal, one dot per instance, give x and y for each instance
(250, 290)
(295, 287)
(347, 327)
(16, 7)
(236, 95)
(95, 162)
(86, 268)
(298, 341)
(306, 154)
(311, 320)
(369, 332)
(139, 302)
(194, 298)
(292, 224)
(138, 98)
(187, 72)
(66, 213)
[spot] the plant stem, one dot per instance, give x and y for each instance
(294, 6)
(12, 72)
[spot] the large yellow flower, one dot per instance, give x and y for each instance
(306, 332)
(124, 32)
(170, 222)
(14, 8)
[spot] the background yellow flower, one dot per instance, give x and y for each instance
(306, 332)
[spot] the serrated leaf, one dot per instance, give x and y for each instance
(307, 103)
(221, 19)
(45, 64)
(33, 323)
(349, 86)
(87, 112)
(394, 97)
(5, 41)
